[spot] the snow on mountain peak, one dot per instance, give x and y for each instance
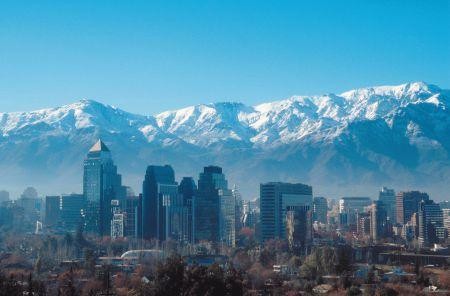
(272, 123)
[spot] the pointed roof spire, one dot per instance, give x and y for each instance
(99, 146)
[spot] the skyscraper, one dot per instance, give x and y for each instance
(431, 223)
(117, 220)
(214, 208)
(446, 217)
(73, 210)
(388, 198)
(238, 216)
(299, 227)
(275, 198)
(159, 197)
(52, 211)
(378, 221)
(349, 207)
(188, 189)
(133, 216)
(101, 184)
(407, 204)
(364, 224)
(320, 209)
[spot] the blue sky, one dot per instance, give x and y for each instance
(150, 56)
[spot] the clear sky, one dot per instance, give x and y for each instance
(150, 56)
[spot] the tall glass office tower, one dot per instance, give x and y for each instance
(101, 184)
(188, 190)
(160, 204)
(214, 208)
(276, 199)
(388, 198)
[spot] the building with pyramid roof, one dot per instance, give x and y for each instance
(101, 184)
(99, 146)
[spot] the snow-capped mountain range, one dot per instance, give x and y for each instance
(346, 144)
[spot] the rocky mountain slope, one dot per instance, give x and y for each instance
(347, 144)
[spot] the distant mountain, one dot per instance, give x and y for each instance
(349, 144)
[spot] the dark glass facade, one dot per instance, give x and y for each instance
(275, 198)
(188, 189)
(101, 184)
(408, 204)
(159, 191)
(214, 208)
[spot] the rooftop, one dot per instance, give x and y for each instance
(99, 146)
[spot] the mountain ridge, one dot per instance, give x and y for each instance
(371, 134)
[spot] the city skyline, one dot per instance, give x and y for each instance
(155, 148)
(205, 224)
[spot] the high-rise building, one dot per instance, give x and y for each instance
(101, 184)
(388, 198)
(275, 198)
(214, 208)
(227, 217)
(188, 189)
(446, 217)
(52, 211)
(73, 209)
(133, 216)
(239, 211)
(117, 220)
(320, 209)
(355, 204)
(350, 207)
(31, 209)
(250, 216)
(378, 221)
(13, 215)
(431, 223)
(409, 231)
(407, 203)
(160, 199)
(299, 227)
(445, 204)
(363, 227)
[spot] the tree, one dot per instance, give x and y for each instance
(387, 291)
(169, 276)
(344, 255)
(241, 260)
(370, 278)
(233, 282)
(9, 286)
(66, 284)
(68, 242)
(89, 260)
(38, 264)
(354, 291)
(444, 280)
